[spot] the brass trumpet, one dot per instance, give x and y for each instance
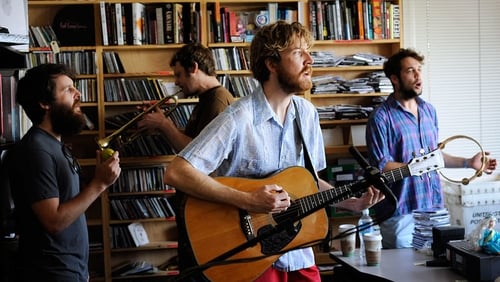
(105, 142)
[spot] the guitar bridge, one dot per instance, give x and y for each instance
(245, 224)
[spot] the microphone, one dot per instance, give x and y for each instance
(373, 176)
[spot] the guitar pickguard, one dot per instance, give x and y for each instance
(274, 243)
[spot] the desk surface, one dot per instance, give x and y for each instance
(400, 265)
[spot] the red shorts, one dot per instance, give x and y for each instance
(306, 274)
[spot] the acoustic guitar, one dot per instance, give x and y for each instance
(237, 245)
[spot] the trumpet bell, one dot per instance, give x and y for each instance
(120, 138)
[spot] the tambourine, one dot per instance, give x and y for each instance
(479, 172)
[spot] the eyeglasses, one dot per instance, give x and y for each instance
(73, 162)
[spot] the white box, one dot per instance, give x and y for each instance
(469, 204)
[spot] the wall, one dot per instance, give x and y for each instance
(460, 40)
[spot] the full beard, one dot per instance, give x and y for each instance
(407, 92)
(65, 121)
(291, 83)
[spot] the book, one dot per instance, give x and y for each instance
(377, 19)
(359, 14)
(272, 7)
(160, 25)
(168, 11)
(119, 24)
(104, 26)
(313, 27)
(138, 19)
(138, 234)
(395, 21)
(217, 28)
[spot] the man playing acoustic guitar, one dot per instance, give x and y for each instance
(261, 134)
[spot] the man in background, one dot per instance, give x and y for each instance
(403, 127)
(50, 205)
(194, 71)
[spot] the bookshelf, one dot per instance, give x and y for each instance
(149, 59)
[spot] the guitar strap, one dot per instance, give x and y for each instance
(307, 157)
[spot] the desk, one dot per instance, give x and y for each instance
(396, 265)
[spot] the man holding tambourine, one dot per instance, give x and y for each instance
(400, 129)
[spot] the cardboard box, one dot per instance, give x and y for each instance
(469, 204)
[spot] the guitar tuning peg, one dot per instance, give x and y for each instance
(414, 154)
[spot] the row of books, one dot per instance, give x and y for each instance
(10, 112)
(143, 146)
(134, 268)
(128, 236)
(230, 24)
(134, 89)
(354, 19)
(138, 24)
(112, 62)
(239, 85)
(233, 58)
(81, 62)
(41, 36)
(141, 207)
(87, 88)
(140, 180)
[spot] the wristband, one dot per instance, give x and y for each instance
(465, 163)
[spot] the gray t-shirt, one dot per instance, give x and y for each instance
(40, 169)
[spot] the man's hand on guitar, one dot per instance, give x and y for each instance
(369, 198)
(269, 198)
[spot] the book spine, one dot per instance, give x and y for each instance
(119, 24)
(218, 23)
(138, 23)
(313, 27)
(377, 19)
(395, 21)
(160, 26)
(169, 23)
(359, 13)
(104, 26)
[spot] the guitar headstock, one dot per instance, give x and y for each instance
(426, 163)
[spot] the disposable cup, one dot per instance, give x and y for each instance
(373, 248)
(348, 243)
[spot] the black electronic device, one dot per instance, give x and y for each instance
(474, 265)
(442, 235)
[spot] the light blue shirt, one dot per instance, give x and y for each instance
(248, 140)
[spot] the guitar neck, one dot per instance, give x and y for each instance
(314, 202)
(311, 203)
(396, 174)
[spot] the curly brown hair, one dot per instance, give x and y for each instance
(195, 53)
(272, 39)
(393, 65)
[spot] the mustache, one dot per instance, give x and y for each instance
(307, 68)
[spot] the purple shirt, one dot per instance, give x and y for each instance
(395, 135)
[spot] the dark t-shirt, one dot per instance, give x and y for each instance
(39, 169)
(211, 103)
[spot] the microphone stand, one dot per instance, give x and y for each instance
(373, 176)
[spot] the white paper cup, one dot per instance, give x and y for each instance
(348, 243)
(373, 248)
